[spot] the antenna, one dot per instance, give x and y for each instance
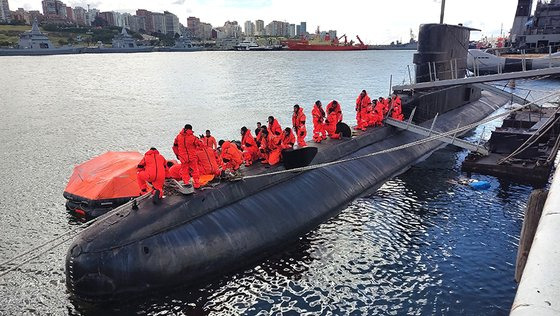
(442, 11)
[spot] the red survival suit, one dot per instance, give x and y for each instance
(397, 109)
(288, 140)
(207, 164)
(330, 124)
(231, 156)
(185, 147)
(318, 124)
(250, 148)
(151, 168)
(275, 128)
(363, 111)
(298, 122)
(334, 105)
(210, 142)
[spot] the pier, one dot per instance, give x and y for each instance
(539, 289)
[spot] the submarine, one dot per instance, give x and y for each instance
(134, 251)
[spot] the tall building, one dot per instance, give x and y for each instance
(249, 28)
(70, 14)
(171, 23)
(21, 15)
(91, 15)
(303, 28)
(108, 17)
(5, 15)
(49, 8)
(259, 27)
(292, 30)
(205, 31)
(278, 28)
(80, 15)
(148, 20)
(232, 29)
(159, 22)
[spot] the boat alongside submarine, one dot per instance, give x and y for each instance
(186, 239)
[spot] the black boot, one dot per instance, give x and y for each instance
(156, 199)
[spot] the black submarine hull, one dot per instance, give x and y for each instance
(135, 252)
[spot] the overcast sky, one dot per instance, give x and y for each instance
(376, 21)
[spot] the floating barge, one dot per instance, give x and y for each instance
(523, 148)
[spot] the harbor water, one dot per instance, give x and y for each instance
(421, 244)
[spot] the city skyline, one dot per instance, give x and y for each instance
(353, 18)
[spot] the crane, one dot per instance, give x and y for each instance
(345, 39)
(361, 43)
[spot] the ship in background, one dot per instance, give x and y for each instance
(537, 33)
(411, 45)
(325, 42)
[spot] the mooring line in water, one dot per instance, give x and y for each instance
(73, 233)
(408, 145)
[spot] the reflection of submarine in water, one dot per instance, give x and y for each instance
(191, 238)
(485, 63)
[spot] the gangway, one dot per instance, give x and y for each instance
(480, 79)
(490, 88)
(409, 126)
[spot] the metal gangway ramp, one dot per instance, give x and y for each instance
(409, 126)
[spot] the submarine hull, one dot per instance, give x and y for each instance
(135, 252)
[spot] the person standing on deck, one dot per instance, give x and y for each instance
(363, 102)
(152, 169)
(209, 141)
(318, 115)
(298, 122)
(185, 147)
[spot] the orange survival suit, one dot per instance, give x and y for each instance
(249, 146)
(363, 110)
(288, 139)
(185, 147)
(318, 115)
(231, 156)
(298, 122)
(151, 168)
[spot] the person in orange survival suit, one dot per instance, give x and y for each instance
(288, 139)
(262, 140)
(330, 124)
(209, 141)
(231, 156)
(274, 148)
(298, 122)
(377, 115)
(318, 115)
(249, 146)
(185, 147)
(363, 102)
(274, 127)
(152, 169)
(207, 164)
(336, 107)
(397, 108)
(385, 103)
(173, 170)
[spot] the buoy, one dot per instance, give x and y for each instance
(480, 185)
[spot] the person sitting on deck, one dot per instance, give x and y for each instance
(288, 139)
(377, 115)
(209, 141)
(230, 155)
(249, 146)
(207, 164)
(185, 147)
(318, 115)
(330, 124)
(274, 146)
(385, 103)
(397, 108)
(298, 122)
(363, 102)
(334, 105)
(173, 170)
(258, 130)
(152, 169)
(274, 127)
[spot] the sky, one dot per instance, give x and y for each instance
(375, 21)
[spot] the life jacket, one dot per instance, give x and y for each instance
(186, 145)
(209, 142)
(231, 153)
(275, 128)
(337, 110)
(248, 142)
(207, 163)
(318, 114)
(288, 141)
(298, 119)
(154, 164)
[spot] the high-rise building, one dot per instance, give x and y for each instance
(303, 28)
(49, 8)
(80, 15)
(159, 22)
(171, 23)
(259, 27)
(232, 29)
(292, 30)
(21, 15)
(278, 28)
(70, 14)
(91, 15)
(5, 15)
(108, 17)
(205, 31)
(249, 28)
(148, 20)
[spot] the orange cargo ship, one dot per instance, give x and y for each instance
(324, 45)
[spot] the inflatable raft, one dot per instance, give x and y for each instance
(190, 238)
